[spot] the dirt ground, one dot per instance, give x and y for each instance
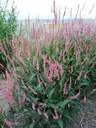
(85, 119)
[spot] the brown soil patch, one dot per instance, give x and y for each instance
(87, 117)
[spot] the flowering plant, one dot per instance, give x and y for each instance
(52, 78)
(52, 72)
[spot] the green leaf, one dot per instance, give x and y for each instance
(86, 82)
(25, 110)
(62, 81)
(17, 69)
(52, 105)
(65, 102)
(32, 76)
(32, 125)
(51, 92)
(67, 115)
(60, 122)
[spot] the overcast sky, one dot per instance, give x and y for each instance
(43, 8)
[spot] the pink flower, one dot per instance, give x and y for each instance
(68, 105)
(33, 120)
(94, 90)
(45, 70)
(9, 89)
(33, 106)
(11, 61)
(75, 96)
(18, 87)
(61, 68)
(25, 97)
(71, 70)
(85, 75)
(51, 68)
(35, 58)
(10, 123)
(45, 114)
(84, 98)
(42, 104)
(65, 90)
(70, 84)
(20, 102)
(27, 51)
(20, 58)
(56, 74)
(32, 90)
(80, 74)
(40, 113)
(1, 66)
(37, 65)
(38, 81)
(56, 114)
(2, 95)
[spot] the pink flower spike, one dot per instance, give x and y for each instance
(71, 70)
(32, 90)
(38, 81)
(65, 90)
(33, 106)
(45, 114)
(42, 104)
(21, 60)
(70, 84)
(68, 105)
(80, 74)
(9, 88)
(33, 120)
(94, 90)
(84, 98)
(56, 114)
(10, 123)
(28, 52)
(25, 97)
(54, 117)
(39, 112)
(75, 96)
(37, 65)
(18, 87)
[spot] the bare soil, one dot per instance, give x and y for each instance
(87, 117)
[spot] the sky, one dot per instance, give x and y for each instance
(42, 8)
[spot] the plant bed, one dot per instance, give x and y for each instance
(51, 73)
